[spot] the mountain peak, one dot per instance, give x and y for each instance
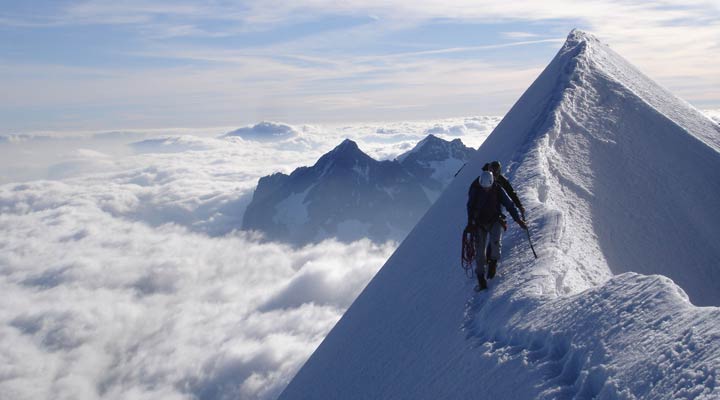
(579, 35)
(347, 149)
(429, 139)
(435, 147)
(264, 131)
(589, 146)
(347, 146)
(347, 154)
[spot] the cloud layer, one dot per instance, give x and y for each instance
(124, 277)
(105, 307)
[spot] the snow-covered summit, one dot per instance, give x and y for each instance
(264, 131)
(617, 175)
(346, 155)
(346, 145)
(434, 162)
(435, 148)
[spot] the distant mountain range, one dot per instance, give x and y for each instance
(349, 195)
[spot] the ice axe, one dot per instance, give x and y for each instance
(530, 241)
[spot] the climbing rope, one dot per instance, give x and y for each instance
(468, 251)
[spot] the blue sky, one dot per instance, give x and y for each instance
(79, 65)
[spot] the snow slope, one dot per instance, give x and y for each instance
(617, 175)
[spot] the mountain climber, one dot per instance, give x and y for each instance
(496, 169)
(483, 207)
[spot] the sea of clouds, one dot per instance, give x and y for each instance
(123, 272)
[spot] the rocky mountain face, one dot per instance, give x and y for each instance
(434, 162)
(349, 195)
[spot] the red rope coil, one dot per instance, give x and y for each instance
(468, 251)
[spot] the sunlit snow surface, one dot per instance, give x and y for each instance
(121, 275)
(713, 114)
(617, 175)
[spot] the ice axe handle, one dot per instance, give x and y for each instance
(530, 241)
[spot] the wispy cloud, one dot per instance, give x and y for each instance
(288, 90)
(520, 35)
(452, 50)
(283, 60)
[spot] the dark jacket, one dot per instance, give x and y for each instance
(505, 184)
(483, 207)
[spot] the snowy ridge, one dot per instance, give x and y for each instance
(653, 343)
(680, 112)
(617, 176)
